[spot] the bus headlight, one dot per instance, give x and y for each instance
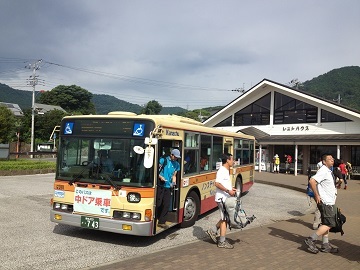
(57, 205)
(136, 216)
(126, 215)
(133, 197)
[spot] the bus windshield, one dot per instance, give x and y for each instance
(103, 160)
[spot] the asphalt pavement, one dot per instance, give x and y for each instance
(279, 245)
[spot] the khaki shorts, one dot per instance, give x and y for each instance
(328, 214)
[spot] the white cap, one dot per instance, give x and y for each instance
(176, 153)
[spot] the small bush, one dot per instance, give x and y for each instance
(26, 164)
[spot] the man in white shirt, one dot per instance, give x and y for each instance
(320, 163)
(325, 192)
(224, 189)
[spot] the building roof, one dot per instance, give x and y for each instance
(44, 108)
(14, 108)
(347, 132)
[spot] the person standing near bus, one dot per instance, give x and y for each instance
(167, 176)
(224, 190)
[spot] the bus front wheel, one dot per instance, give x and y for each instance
(191, 209)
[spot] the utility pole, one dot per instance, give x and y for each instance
(33, 81)
(338, 99)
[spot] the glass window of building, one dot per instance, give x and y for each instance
(257, 113)
(327, 116)
(225, 123)
(289, 110)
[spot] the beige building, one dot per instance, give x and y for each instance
(287, 121)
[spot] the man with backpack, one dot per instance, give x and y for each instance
(169, 166)
(224, 189)
(322, 184)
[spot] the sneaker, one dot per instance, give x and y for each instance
(225, 244)
(212, 235)
(311, 245)
(327, 248)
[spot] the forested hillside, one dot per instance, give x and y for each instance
(343, 81)
(103, 103)
(20, 97)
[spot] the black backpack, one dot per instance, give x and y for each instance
(340, 220)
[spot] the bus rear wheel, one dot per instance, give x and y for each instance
(239, 186)
(191, 209)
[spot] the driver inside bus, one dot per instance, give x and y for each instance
(105, 164)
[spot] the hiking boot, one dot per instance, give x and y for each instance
(212, 235)
(327, 248)
(225, 244)
(311, 245)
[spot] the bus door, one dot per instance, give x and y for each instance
(165, 148)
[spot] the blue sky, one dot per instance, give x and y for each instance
(190, 54)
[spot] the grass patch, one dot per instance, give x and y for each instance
(26, 164)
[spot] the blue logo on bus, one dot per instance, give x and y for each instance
(68, 128)
(139, 129)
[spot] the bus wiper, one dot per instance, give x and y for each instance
(79, 176)
(112, 183)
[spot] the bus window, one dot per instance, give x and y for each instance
(205, 152)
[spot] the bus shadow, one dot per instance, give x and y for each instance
(113, 238)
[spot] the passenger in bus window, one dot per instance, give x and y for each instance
(169, 166)
(204, 163)
(104, 162)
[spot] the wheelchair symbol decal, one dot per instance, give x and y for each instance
(138, 129)
(68, 128)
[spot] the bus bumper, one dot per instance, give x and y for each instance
(108, 225)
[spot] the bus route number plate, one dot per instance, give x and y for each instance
(90, 223)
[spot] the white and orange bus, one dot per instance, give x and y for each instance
(123, 199)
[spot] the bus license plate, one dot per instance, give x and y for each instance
(90, 223)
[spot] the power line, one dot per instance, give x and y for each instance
(142, 80)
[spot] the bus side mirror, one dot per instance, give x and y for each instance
(149, 157)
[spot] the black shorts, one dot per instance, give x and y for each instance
(328, 214)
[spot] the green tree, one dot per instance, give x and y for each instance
(152, 107)
(72, 99)
(198, 115)
(45, 124)
(7, 127)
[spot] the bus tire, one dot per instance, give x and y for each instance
(191, 209)
(239, 185)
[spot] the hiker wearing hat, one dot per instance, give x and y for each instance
(276, 163)
(168, 167)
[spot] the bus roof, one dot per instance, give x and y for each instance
(165, 121)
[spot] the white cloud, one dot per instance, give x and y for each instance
(144, 50)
